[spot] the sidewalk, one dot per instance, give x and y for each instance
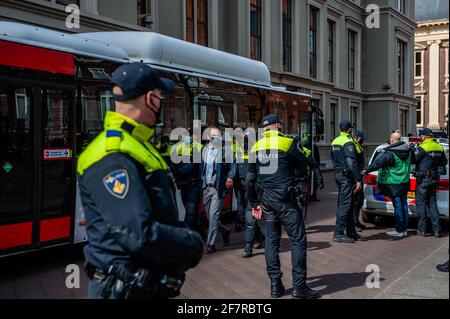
(423, 281)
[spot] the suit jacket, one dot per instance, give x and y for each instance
(225, 169)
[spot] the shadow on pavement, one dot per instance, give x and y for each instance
(337, 282)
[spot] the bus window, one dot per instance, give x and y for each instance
(57, 139)
(106, 102)
(16, 154)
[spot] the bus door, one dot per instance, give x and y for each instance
(36, 166)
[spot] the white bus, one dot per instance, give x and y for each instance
(55, 90)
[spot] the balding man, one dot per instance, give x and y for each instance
(394, 167)
(218, 171)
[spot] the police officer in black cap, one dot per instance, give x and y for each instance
(277, 157)
(137, 248)
(349, 181)
(429, 158)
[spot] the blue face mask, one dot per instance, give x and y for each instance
(215, 141)
(187, 140)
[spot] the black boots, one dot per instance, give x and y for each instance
(248, 250)
(343, 239)
(305, 293)
(443, 267)
(277, 289)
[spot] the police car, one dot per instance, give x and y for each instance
(376, 204)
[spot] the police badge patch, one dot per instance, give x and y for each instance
(117, 183)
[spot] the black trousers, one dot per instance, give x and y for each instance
(359, 202)
(241, 195)
(252, 230)
(426, 205)
(345, 220)
(288, 215)
(191, 195)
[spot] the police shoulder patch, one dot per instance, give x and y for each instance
(117, 183)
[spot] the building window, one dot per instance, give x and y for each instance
(351, 59)
(354, 116)
(404, 122)
(333, 120)
(331, 25)
(197, 21)
(418, 63)
(401, 51)
(401, 6)
(287, 34)
(202, 22)
(106, 102)
(255, 30)
(141, 12)
(313, 14)
(419, 110)
(190, 27)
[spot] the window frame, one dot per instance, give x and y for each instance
(401, 49)
(352, 48)
(194, 21)
(421, 64)
(287, 39)
(401, 6)
(421, 109)
(403, 120)
(331, 24)
(354, 115)
(256, 38)
(313, 30)
(333, 119)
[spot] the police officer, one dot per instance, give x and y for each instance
(188, 179)
(429, 157)
(240, 151)
(317, 173)
(276, 159)
(253, 237)
(359, 139)
(349, 181)
(136, 248)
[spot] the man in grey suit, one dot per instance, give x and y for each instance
(218, 172)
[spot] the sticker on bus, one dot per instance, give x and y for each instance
(57, 154)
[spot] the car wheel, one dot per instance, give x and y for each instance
(369, 218)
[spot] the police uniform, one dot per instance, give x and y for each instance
(276, 159)
(136, 248)
(429, 156)
(345, 159)
(189, 181)
(253, 237)
(312, 164)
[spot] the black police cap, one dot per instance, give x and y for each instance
(136, 79)
(345, 125)
(271, 119)
(426, 132)
(360, 135)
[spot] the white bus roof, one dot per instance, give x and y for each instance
(160, 50)
(50, 39)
